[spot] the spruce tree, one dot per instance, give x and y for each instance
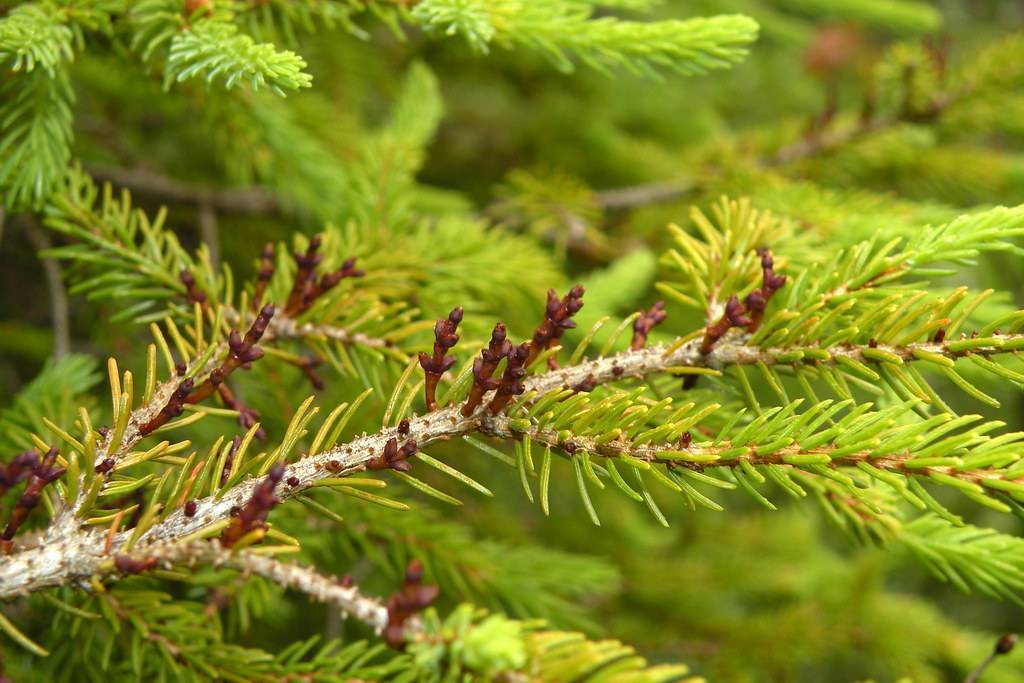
(429, 340)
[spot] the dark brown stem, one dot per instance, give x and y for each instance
(174, 407)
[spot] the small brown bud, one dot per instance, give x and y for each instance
(254, 514)
(437, 364)
(413, 598)
(1006, 643)
(511, 383)
(192, 292)
(645, 322)
(557, 319)
(129, 565)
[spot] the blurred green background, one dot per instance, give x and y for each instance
(748, 595)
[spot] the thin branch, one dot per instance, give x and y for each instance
(326, 589)
(818, 143)
(1003, 646)
(209, 232)
(284, 327)
(55, 286)
(641, 195)
(146, 183)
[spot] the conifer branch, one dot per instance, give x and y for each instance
(701, 457)
(326, 589)
(67, 555)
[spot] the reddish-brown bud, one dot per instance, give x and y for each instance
(434, 366)
(306, 289)
(175, 406)
(645, 322)
(314, 290)
(757, 301)
(254, 514)
(413, 598)
(242, 351)
(557, 319)
(484, 367)
(18, 470)
(193, 294)
(130, 565)
(511, 383)
(587, 384)
(44, 473)
(393, 457)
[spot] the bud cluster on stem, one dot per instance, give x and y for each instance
(413, 598)
(750, 312)
(484, 367)
(439, 363)
(253, 516)
(645, 322)
(263, 275)
(393, 457)
(307, 289)
(43, 471)
(557, 319)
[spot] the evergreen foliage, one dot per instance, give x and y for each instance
(355, 421)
